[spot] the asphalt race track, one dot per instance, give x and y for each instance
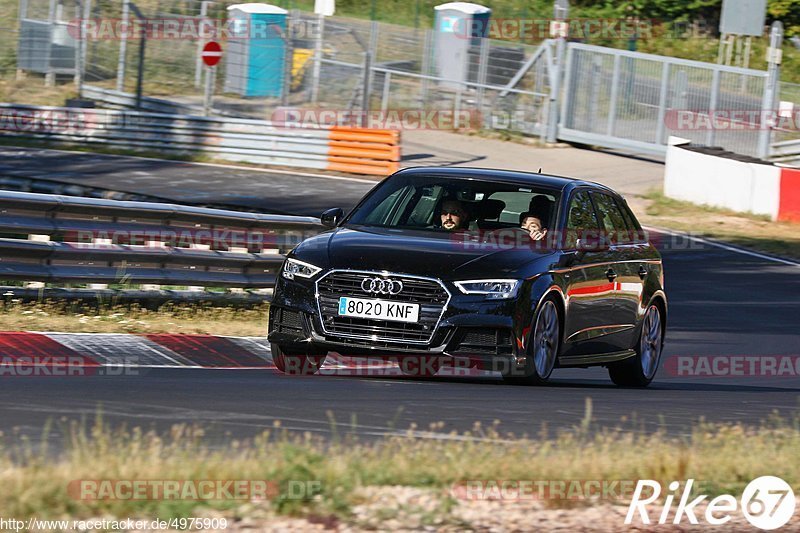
(722, 302)
(280, 192)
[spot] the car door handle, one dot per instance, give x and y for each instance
(611, 275)
(642, 272)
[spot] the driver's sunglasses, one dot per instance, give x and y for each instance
(454, 212)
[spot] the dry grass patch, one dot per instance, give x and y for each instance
(750, 231)
(722, 458)
(77, 317)
(31, 90)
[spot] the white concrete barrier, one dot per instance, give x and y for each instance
(757, 188)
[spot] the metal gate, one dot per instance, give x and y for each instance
(635, 101)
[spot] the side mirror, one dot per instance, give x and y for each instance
(332, 217)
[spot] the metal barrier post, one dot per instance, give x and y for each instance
(457, 107)
(367, 86)
(317, 58)
(712, 132)
(774, 57)
(50, 77)
(612, 112)
(662, 102)
(370, 56)
(387, 82)
(123, 45)
(197, 246)
(140, 66)
(597, 63)
(198, 66)
(36, 284)
(208, 94)
(23, 13)
(152, 286)
(426, 66)
(99, 242)
(288, 61)
(555, 90)
(78, 45)
(483, 67)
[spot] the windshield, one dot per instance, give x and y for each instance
(438, 204)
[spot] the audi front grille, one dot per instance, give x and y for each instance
(429, 293)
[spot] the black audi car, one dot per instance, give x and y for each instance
(509, 271)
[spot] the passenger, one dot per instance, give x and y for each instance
(453, 215)
(533, 225)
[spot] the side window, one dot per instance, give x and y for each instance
(422, 214)
(611, 219)
(634, 229)
(387, 210)
(581, 220)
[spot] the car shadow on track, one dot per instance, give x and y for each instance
(560, 383)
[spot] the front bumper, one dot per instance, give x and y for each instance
(484, 332)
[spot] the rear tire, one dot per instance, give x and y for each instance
(544, 343)
(294, 363)
(640, 370)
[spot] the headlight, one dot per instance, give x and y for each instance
(494, 289)
(293, 267)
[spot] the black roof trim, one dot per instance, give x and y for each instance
(514, 176)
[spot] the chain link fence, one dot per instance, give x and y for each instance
(607, 97)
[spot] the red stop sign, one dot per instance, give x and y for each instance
(212, 53)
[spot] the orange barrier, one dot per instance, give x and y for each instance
(363, 150)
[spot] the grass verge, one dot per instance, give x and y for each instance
(85, 317)
(750, 231)
(722, 458)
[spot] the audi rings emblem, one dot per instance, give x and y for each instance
(381, 285)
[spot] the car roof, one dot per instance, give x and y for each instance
(562, 183)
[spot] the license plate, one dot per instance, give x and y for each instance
(378, 309)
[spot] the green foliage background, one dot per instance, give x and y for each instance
(420, 12)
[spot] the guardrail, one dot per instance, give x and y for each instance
(122, 100)
(356, 150)
(786, 151)
(61, 239)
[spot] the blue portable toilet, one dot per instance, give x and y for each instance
(256, 55)
(459, 28)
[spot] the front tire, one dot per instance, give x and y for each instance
(640, 370)
(545, 341)
(295, 362)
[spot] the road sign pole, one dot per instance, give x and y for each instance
(211, 55)
(211, 74)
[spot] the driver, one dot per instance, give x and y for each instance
(454, 215)
(533, 225)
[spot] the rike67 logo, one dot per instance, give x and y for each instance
(768, 502)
